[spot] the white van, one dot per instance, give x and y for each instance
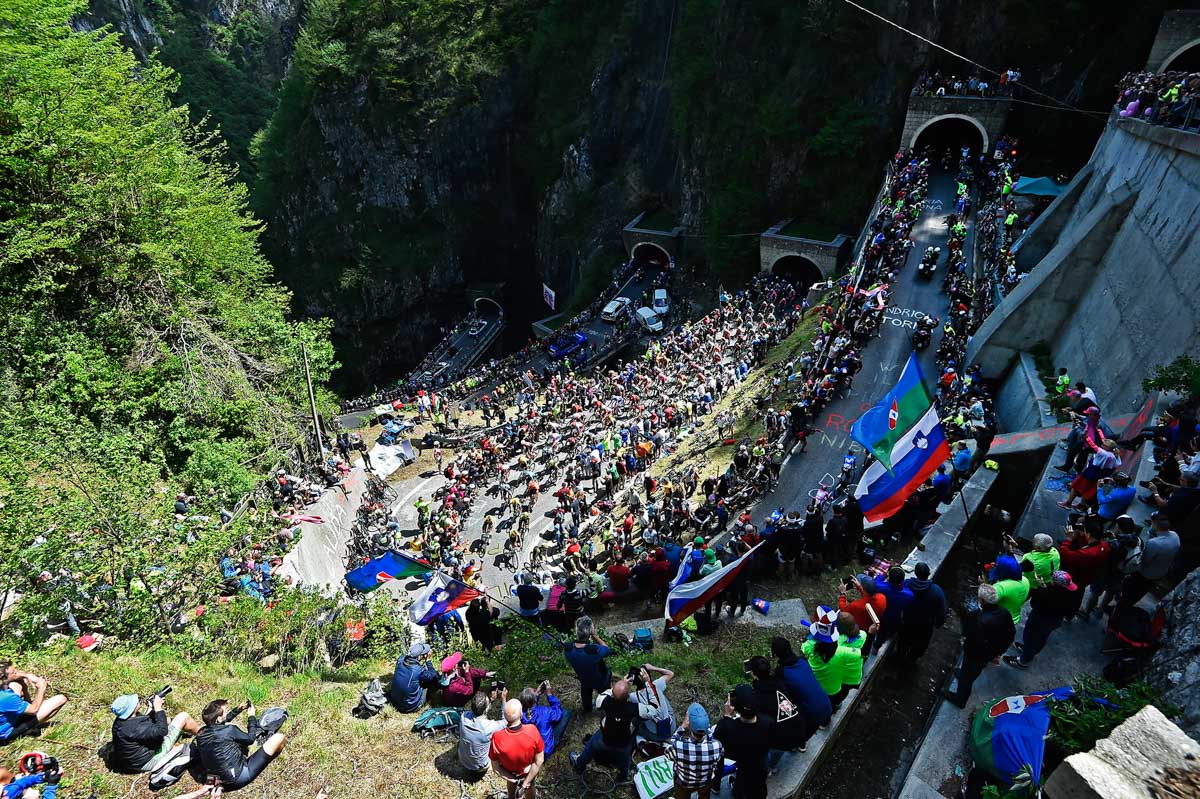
(649, 320)
(662, 303)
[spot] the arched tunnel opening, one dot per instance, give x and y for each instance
(950, 133)
(798, 270)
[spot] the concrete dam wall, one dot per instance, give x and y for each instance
(1114, 268)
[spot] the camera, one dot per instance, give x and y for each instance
(746, 666)
(635, 676)
(163, 692)
(498, 685)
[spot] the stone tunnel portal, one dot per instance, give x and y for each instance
(951, 131)
(647, 253)
(799, 270)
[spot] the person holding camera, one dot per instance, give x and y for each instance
(20, 714)
(36, 770)
(143, 741)
(222, 746)
(517, 753)
(652, 691)
(587, 657)
(475, 731)
(551, 719)
(613, 742)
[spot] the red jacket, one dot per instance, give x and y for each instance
(1087, 563)
(858, 608)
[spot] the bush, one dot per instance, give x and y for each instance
(1095, 709)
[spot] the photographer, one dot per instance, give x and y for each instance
(142, 741)
(613, 742)
(20, 715)
(587, 657)
(222, 747)
(38, 771)
(653, 693)
(475, 732)
(551, 719)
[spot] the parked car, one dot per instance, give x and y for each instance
(567, 344)
(662, 303)
(649, 320)
(616, 308)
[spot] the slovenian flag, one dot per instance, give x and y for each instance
(686, 598)
(916, 456)
(882, 426)
(442, 595)
(388, 566)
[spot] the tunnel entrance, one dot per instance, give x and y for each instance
(647, 253)
(951, 133)
(1184, 60)
(797, 269)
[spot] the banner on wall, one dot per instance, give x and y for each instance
(548, 295)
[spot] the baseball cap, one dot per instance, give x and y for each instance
(419, 649)
(743, 696)
(1063, 579)
(450, 663)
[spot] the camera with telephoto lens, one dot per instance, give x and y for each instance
(635, 676)
(163, 692)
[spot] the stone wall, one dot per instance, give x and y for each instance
(1175, 668)
(828, 256)
(987, 114)
(1118, 290)
(1178, 30)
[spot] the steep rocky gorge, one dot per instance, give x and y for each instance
(420, 148)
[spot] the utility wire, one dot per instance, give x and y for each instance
(962, 57)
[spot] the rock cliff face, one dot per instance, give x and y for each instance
(1175, 668)
(418, 148)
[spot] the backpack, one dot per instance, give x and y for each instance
(371, 701)
(643, 639)
(270, 722)
(1131, 560)
(171, 769)
(437, 722)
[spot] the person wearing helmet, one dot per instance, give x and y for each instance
(36, 768)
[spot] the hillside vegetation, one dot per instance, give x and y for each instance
(146, 347)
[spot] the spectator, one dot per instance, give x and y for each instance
(475, 732)
(481, 622)
(550, 719)
(141, 742)
(802, 685)
(961, 462)
(989, 633)
(587, 657)
(460, 679)
(926, 611)
(868, 596)
(788, 729)
(652, 691)
(1044, 557)
(25, 787)
(943, 484)
(517, 753)
(412, 679)
(746, 738)
(829, 662)
(1085, 555)
(852, 638)
(897, 598)
(1158, 554)
(222, 747)
(1114, 495)
(1012, 587)
(697, 757)
(19, 714)
(1181, 502)
(529, 598)
(1049, 606)
(613, 742)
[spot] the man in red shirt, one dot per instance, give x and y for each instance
(867, 596)
(517, 752)
(618, 577)
(1085, 555)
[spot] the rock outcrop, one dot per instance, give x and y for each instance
(1175, 667)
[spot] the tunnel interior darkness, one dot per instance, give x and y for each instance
(799, 270)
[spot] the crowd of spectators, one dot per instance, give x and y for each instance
(1160, 98)
(938, 85)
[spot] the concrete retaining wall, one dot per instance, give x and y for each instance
(1118, 293)
(1022, 402)
(1178, 30)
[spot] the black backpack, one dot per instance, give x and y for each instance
(371, 702)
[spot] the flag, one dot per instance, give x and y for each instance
(893, 416)
(548, 295)
(916, 456)
(1008, 737)
(685, 599)
(388, 566)
(442, 595)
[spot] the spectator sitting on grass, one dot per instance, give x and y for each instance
(141, 742)
(222, 747)
(14, 787)
(20, 714)
(412, 678)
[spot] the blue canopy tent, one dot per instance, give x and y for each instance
(1041, 187)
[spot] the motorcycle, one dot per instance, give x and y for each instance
(921, 339)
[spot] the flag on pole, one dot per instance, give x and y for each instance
(442, 595)
(882, 426)
(882, 492)
(685, 599)
(388, 566)
(548, 295)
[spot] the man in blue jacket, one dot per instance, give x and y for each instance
(926, 611)
(802, 685)
(412, 678)
(899, 597)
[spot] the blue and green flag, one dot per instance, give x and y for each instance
(1008, 737)
(897, 413)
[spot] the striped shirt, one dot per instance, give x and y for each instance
(697, 763)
